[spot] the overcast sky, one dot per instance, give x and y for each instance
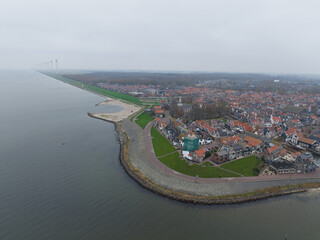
(197, 35)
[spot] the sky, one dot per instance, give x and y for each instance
(162, 35)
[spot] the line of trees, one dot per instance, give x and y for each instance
(220, 109)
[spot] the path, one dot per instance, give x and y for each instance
(227, 170)
(167, 154)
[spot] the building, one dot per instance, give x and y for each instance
(307, 143)
(220, 156)
(305, 163)
(199, 155)
(191, 143)
(282, 167)
(158, 111)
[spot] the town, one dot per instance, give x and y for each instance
(277, 129)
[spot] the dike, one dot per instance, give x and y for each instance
(196, 199)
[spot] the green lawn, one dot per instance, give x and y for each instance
(160, 144)
(109, 93)
(99, 90)
(137, 113)
(244, 166)
(143, 119)
(174, 162)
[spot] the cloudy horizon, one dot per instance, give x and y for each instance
(213, 36)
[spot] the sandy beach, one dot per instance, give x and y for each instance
(128, 110)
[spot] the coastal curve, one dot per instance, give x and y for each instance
(193, 192)
(133, 158)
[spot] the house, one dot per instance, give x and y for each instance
(225, 148)
(267, 171)
(220, 156)
(159, 113)
(246, 150)
(238, 150)
(203, 141)
(288, 157)
(273, 151)
(305, 163)
(307, 143)
(275, 120)
(198, 155)
(173, 133)
(283, 167)
(220, 133)
(253, 143)
(187, 155)
(291, 135)
(291, 131)
(232, 154)
(268, 124)
(157, 108)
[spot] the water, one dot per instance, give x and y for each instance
(60, 178)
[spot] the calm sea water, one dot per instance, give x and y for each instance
(60, 178)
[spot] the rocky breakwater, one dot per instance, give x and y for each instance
(148, 184)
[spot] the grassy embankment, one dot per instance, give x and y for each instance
(244, 166)
(132, 116)
(162, 147)
(222, 199)
(101, 91)
(175, 162)
(143, 119)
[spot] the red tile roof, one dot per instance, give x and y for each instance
(200, 152)
(273, 148)
(306, 140)
(252, 141)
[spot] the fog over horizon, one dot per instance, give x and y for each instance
(213, 36)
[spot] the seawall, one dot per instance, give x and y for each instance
(103, 119)
(196, 199)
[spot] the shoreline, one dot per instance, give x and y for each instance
(129, 108)
(147, 184)
(186, 197)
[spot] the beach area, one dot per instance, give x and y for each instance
(128, 109)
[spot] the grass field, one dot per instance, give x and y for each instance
(137, 113)
(109, 93)
(99, 90)
(174, 162)
(160, 144)
(143, 119)
(245, 166)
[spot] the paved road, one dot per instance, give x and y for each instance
(143, 158)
